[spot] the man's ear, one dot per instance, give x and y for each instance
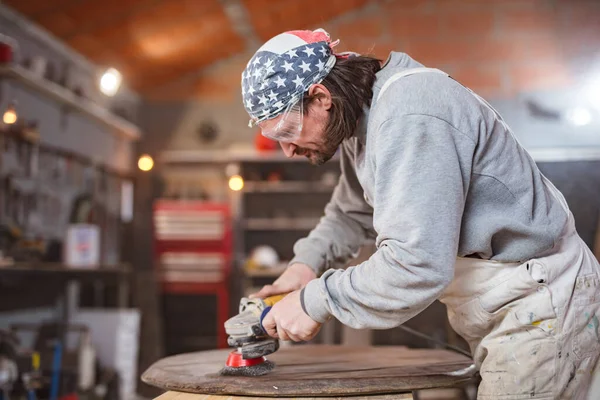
(322, 96)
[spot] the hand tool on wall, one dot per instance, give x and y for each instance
(248, 336)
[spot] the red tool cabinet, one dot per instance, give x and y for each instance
(193, 252)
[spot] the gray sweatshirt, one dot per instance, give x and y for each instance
(432, 173)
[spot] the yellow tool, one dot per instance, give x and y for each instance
(270, 301)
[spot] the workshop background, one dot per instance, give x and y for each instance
(137, 207)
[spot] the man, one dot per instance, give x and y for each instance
(459, 210)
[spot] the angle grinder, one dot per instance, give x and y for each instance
(251, 341)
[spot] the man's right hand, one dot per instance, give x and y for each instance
(295, 277)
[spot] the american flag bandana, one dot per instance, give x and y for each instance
(283, 69)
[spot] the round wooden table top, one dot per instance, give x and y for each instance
(316, 371)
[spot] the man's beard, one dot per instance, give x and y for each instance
(321, 156)
(331, 142)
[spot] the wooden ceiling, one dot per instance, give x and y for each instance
(156, 42)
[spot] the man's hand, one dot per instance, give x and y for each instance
(287, 320)
(295, 277)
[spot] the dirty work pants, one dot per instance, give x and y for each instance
(532, 327)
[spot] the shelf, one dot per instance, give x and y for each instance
(287, 187)
(65, 96)
(281, 224)
(28, 270)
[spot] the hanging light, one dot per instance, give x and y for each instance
(10, 115)
(579, 116)
(110, 82)
(145, 163)
(236, 183)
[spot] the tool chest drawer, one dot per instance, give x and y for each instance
(193, 267)
(192, 241)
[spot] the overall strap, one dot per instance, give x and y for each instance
(404, 73)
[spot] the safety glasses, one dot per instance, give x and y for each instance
(287, 126)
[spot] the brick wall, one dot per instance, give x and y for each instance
(499, 48)
(496, 47)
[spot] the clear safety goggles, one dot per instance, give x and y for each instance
(287, 126)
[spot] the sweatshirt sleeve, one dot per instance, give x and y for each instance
(422, 170)
(347, 223)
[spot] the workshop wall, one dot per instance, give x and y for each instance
(68, 130)
(58, 127)
(510, 51)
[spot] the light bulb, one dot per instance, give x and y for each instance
(145, 163)
(579, 116)
(236, 183)
(110, 82)
(10, 115)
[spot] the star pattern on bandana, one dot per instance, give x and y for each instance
(272, 81)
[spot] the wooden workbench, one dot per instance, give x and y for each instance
(192, 396)
(314, 371)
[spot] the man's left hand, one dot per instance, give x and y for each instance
(287, 320)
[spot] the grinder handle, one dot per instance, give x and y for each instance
(269, 302)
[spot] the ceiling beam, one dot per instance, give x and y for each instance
(240, 21)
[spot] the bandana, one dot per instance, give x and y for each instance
(283, 69)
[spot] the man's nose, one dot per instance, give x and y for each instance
(288, 149)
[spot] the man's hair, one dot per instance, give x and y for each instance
(350, 83)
